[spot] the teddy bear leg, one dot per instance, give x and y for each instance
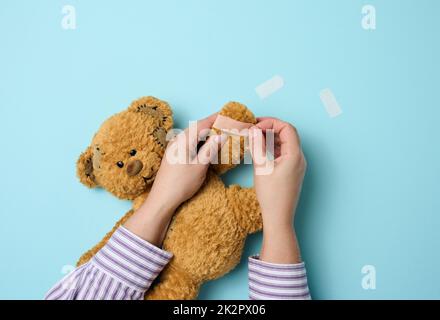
(89, 254)
(246, 207)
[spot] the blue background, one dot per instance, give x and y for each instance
(371, 194)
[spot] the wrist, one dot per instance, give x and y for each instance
(159, 204)
(278, 230)
(151, 220)
(273, 222)
(158, 209)
(280, 247)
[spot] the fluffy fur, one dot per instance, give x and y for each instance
(208, 232)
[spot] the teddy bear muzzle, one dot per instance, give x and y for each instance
(134, 167)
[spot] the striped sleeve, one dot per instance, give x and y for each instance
(271, 281)
(122, 270)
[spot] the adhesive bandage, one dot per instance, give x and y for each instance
(330, 103)
(269, 87)
(231, 126)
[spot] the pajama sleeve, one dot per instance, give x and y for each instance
(122, 270)
(271, 281)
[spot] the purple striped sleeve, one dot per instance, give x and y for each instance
(122, 270)
(271, 281)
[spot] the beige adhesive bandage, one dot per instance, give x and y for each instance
(231, 126)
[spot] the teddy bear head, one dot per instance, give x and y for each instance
(125, 154)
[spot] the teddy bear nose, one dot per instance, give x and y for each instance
(134, 167)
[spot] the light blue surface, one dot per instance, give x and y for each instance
(371, 194)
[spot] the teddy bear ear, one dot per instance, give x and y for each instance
(84, 168)
(155, 108)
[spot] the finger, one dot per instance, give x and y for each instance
(207, 122)
(198, 131)
(257, 146)
(259, 119)
(287, 134)
(203, 125)
(209, 151)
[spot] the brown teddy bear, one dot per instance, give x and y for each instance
(207, 233)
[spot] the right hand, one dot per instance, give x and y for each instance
(278, 185)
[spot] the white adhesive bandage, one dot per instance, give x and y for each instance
(330, 103)
(269, 87)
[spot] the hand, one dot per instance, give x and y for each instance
(278, 187)
(183, 169)
(181, 174)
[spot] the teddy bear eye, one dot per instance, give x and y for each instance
(120, 164)
(133, 152)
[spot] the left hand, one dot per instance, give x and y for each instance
(176, 181)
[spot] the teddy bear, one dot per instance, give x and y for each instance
(207, 232)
